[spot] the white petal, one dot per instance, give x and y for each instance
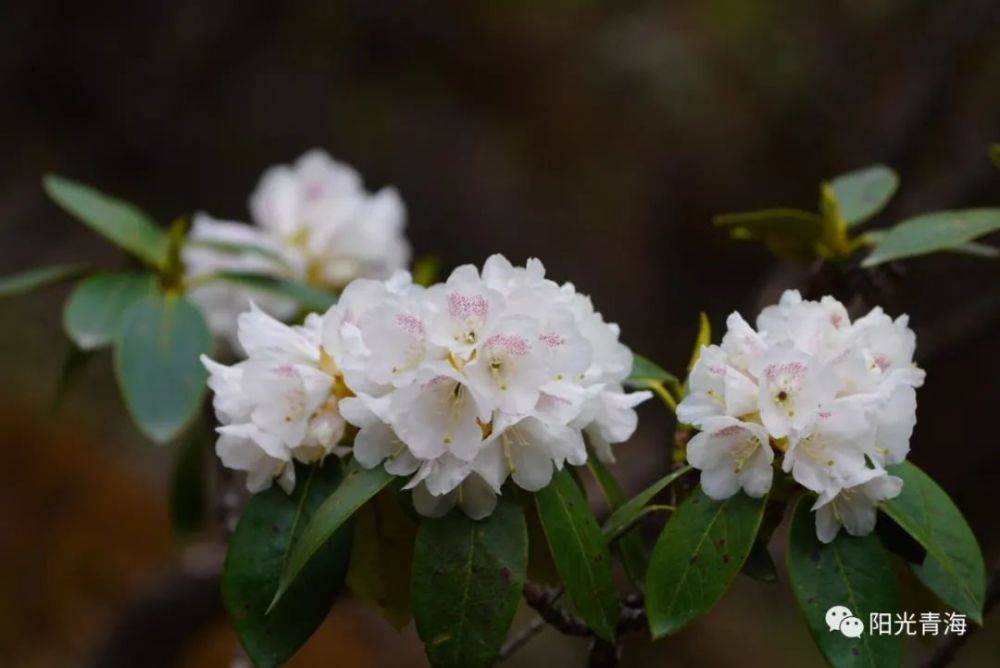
(429, 505)
(532, 466)
(373, 444)
(476, 498)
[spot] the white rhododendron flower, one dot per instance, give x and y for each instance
(835, 398)
(488, 376)
(278, 406)
(314, 223)
(459, 387)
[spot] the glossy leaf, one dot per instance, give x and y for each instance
(629, 545)
(156, 352)
(864, 192)
(120, 222)
(305, 295)
(359, 485)
(17, 284)
(260, 545)
(626, 514)
(788, 233)
(466, 584)
(697, 556)
(382, 556)
(580, 553)
(942, 230)
(855, 572)
(94, 310)
(953, 568)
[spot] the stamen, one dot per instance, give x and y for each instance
(505, 444)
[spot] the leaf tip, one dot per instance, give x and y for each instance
(282, 586)
(871, 261)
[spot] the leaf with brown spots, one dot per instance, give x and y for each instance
(697, 556)
(466, 583)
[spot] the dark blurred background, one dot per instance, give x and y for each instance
(598, 136)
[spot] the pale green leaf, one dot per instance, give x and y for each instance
(864, 192)
(94, 310)
(942, 230)
(120, 222)
(33, 279)
(157, 351)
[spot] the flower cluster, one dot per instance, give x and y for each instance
(279, 404)
(461, 385)
(315, 223)
(836, 398)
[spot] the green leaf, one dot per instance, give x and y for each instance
(120, 222)
(382, 557)
(646, 373)
(629, 544)
(541, 565)
(995, 154)
(360, 485)
(789, 233)
(94, 310)
(976, 249)
(305, 295)
(626, 514)
(864, 192)
(697, 556)
(16, 284)
(942, 230)
(231, 248)
(855, 572)
(188, 493)
(156, 352)
(953, 568)
(269, 525)
(580, 553)
(466, 584)
(703, 338)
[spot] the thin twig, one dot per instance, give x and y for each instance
(521, 638)
(631, 616)
(543, 601)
